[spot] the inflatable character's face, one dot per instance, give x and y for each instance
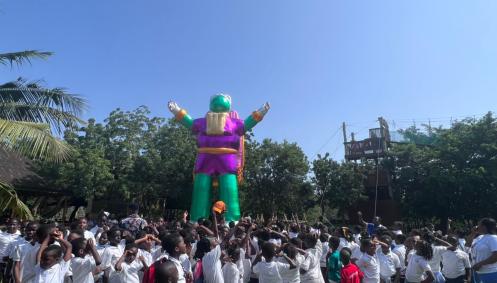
(220, 103)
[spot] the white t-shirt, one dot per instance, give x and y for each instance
(231, 273)
(388, 263)
(437, 258)
(5, 240)
(54, 274)
(400, 251)
(129, 272)
(20, 254)
(481, 249)
(291, 275)
(82, 269)
(311, 265)
(343, 244)
(370, 266)
(110, 256)
(454, 263)
(211, 266)
(416, 268)
(322, 260)
(28, 264)
(270, 272)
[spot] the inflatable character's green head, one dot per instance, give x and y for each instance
(220, 103)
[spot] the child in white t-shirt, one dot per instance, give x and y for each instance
(418, 267)
(269, 271)
(369, 263)
(128, 265)
(85, 260)
(231, 272)
(51, 265)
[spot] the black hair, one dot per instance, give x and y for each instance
(54, 249)
(187, 235)
(170, 242)
(165, 271)
(203, 247)
(386, 239)
(345, 254)
(130, 246)
(268, 250)
(78, 232)
(291, 251)
(489, 224)
(424, 249)
(400, 239)
(309, 241)
(296, 242)
(78, 244)
(233, 252)
(133, 207)
(231, 224)
(43, 231)
(334, 243)
(324, 237)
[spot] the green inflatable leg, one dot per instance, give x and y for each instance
(201, 197)
(228, 193)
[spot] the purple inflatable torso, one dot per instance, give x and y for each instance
(218, 164)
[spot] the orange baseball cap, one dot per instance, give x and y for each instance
(219, 207)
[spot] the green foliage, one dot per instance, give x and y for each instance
(454, 177)
(28, 113)
(275, 179)
(337, 185)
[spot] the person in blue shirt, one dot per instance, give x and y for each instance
(371, 228)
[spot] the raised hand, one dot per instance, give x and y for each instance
(264, 108)
(173, 107)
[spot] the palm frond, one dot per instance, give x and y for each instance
(22, 57)
(33, 140)
(38, 114)
(37, 104)
(10, 200)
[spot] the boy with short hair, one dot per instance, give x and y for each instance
(334, 265)
(82, 265)
(50, 268)
(455, 262)
(350, 272)
(269, 270)
(128, 266)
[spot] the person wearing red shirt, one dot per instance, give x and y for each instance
(350, 272)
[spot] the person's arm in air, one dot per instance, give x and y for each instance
(361, 220)
(93, 251)
(290, 261)
(119, 263)
(216, 229)
(180, 114)
(43, 246)
(256, 117)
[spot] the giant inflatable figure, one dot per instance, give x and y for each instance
(220, 153)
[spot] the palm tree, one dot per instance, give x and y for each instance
(29, 115)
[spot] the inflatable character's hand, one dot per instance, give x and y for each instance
(264, 108)
(173, 107)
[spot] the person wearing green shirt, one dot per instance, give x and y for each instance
(333, 264)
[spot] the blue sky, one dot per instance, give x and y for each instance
(318, 63)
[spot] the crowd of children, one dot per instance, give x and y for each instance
(212, 251)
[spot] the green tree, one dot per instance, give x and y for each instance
(337, 185)
(28, 115)
(275, 179)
